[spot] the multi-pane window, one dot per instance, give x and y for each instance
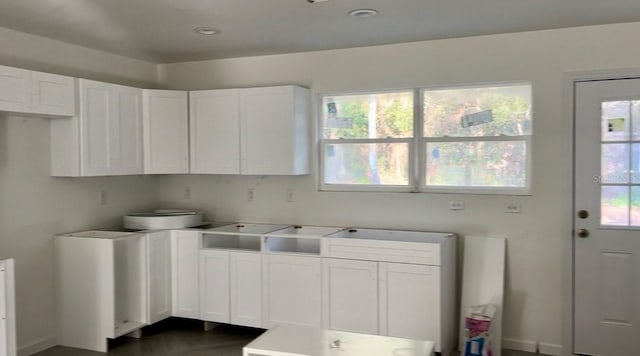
(472, 139)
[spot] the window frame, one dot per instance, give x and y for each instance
(417, 182)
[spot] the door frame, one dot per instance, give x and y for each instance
(569, 81)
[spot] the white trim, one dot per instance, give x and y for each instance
(520, 345)
(549, 349)
(10, 305)
(37, 346)
(567, 273)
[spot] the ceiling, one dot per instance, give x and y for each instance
(161, 31)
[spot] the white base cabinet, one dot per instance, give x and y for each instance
(185, 276)
(292, 290)
(159, 275)
(231, 287)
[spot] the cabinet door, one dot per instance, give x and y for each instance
(246, 288)
(274, 131)
(214, 286)
(97, 107)
(166, 132)
(126, 132)
(410, 301)
(159, 275)
(53, 94)
(214, 118)
(185, 278)
(14, 89)
(350, 295)
(292, 290)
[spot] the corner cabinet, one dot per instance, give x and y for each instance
(105, 138)
(254, 131)
(166, 131)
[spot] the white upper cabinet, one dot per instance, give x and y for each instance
(274, 131)
(40, 93)
(105, 138)
(215, 131)
(165, 132)
(256, 131)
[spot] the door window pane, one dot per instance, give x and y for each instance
(368, 115)
(477, 164)
(615, 163)
(615, 120)
(614, 205)
(635, 206)
(366, 163)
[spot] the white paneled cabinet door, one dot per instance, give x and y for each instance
(246, 288)
(166, 132)
(53, 94)
(214, 286)
(97, 106)
(126, 132)
(274, 130)
(292, 290)
(350, 295)
(185, 276)
(14, 89)
(159, 275)
(214, 118)
(409, 301)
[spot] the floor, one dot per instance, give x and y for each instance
(184, 338)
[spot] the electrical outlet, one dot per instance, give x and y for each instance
(250, 194)
(291, 195)
(456, 205)
(103, 197)
(512, 208)
(187, 193)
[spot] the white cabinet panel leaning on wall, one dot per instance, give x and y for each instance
(7, 309)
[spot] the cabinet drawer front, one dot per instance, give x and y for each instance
(384, 251)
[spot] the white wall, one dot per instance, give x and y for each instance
(35, 206)
(534, 281)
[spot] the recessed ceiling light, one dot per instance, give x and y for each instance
(206, 30)
(362, 13)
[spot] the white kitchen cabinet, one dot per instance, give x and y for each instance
(101, 285)
(350, 295)
(31, 92)
(292, 290)
(185, 278)
(105, 138)
(275, 131)
(214, 286)
(409, 300)
(254, 131)
(214, 117)
(159, 275)
(165, 131)
(245, 288)
(7, 309)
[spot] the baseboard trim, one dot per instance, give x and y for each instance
(37, 346)
(520, 345)
(549, 349)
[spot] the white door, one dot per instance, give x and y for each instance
(126, 132)
(245, 288)
(159, 275)
(410, 301)
(14, 89)
(96, 110)
(53, 94)
(350, 295)
(607, 218)
(185, 279)
(166, 132)
(214, 119)
(292, 290)
(214, 286)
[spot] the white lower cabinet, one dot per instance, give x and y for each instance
(292, 290)
(185, 282)
(159, 275)
(350, 294)
(230, 287)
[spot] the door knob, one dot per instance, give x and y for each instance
(583, 233)
(583, 214)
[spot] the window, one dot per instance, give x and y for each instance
(472, 139)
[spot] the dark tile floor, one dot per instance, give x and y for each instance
(178, 337)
